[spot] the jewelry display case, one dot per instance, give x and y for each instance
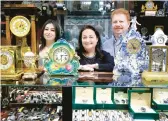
(89, 96)
(120, 98)
(103, 97)
(34, 102)
(117, 102)
(83, 97)
(160, 98)
(144, 110)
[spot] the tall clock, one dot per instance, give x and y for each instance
(157, 74)
(20, 21)
(62, 59)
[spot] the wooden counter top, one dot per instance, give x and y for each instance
(96, 76)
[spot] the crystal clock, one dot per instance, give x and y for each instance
(158, 55)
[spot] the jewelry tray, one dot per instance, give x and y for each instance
(160, 98)
(143, 111)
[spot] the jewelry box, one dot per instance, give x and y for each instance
(103, 99)
(120, 98)
(83, 97)
(160, 98)
(140, 102)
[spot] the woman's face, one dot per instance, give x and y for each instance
(89, 40)
(49, 33)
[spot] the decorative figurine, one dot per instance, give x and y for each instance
(134, 23)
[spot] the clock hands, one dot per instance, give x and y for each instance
(133, 46)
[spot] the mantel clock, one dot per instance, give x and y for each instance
(20, 21)
(62, 59)
(149, 8)
(11, 64)
(157, 73)
(20, 27)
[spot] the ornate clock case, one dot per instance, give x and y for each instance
(20, 21)
(157, 73)
(62, 59)
(11, 63)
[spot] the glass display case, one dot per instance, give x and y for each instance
(91, 96)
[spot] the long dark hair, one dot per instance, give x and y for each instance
(57, 32)
(81, 49)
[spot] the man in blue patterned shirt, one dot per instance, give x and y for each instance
(127, 65)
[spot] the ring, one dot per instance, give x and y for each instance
(84, 101)
(143, 109)
(165, 100)
(103, 101)
(117, 101)
(123, 101)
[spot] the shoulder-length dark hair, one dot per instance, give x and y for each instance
(57, 28)
(81, 49)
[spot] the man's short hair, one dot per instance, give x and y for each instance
(121, 11)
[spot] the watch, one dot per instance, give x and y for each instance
(158, 55)
(20, 26)
(133, 46)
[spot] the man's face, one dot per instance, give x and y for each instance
(120, 24)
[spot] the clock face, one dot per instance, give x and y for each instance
(20, 26)
(160, 12)
(61, 55)
(133, 46)
(160, 40)
(6, 60)
(149, 5)
(158, 55)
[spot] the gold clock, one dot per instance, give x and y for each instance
(133, 46)
(10, 62)
(149, 5)
(7, 61)
(20, 26)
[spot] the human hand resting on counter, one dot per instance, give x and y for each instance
(88, 67)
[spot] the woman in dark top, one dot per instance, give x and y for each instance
(89, 51)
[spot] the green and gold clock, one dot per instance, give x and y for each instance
(62, 59)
